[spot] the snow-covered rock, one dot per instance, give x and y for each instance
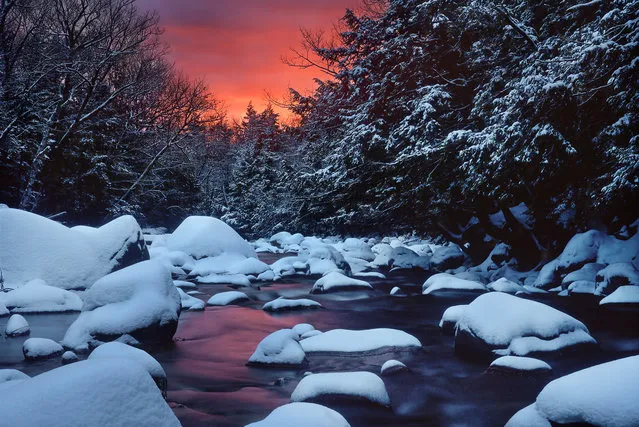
(345, 340)
(302, 328)
(581, 287)
(12, 375)
(248, 266)
(69, 357)
(392, 366)
(615, 275)
(302, 414)
(357, 248)
(447, 257)
(226, 298)
(548, 276)
(451, 316)
(139, 300)
(622, 295)
(586, 273)
(505, 285)
(279, 348)
(34, 247)
(183, 284)
(359, 385)
(118, 350)
(403, 257)
(337, 281)
(266, 276)
(501, 324)
(17, 325)
(396, 291)
(518, 363)
(286, 241)
(601, 395)
(282, 304)
(93, 392)
(38, 297)
(225, 279)
(204, 236)
(187, 302)
(324, 258)
(448, 282)
(39, 348)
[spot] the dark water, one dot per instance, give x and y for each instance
(209, 383)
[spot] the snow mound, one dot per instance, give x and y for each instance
(447, 257)
(139, 300)
(7, 375)
(225, 279)
(517, 363)
(204, 236)
(582, 287)
(403, 257)
(357, 248)
(451, 316)
(448, 282)
(183, 284)
(602, 395)
(93, 392)
(39, 348)
(392, 366)
(615, 275)
(281, 304)
(279, 348)
(335, 281)
(361, 385)
(226, 298)
(507, 286)
(302, 414)
(503, 324)
(38, 297)
(188, 302)
(17, 325)
(35, 247)
(586, 273)
(69, 357)
(622, 295)
(345, 340)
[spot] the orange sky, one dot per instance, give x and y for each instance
(236, 45)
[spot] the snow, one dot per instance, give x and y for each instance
(452, 315)
(267, 276)
(604, 394)
(505, 285)
(284, 240)
(365, 385)
(445, 281)
(337, 281)
(512, 325)
(35, 247)
(396, 290)
(586, 273)
(17, 325)
(519, 363)
(203, 236)
(37, 297)
(226, 298)
(279, 348)
(622, 295)
(69, 357)
(282, 303)
(548, 275)
(356, 248)
(303, 328)
(225, 279)
(302, 414)
(93, 392)
(119, 350)
(391, 366)
(35, 348)
(188, 302)
(136, 297)
(528, 417)
(615, 275)
(345, 340)
(582, 287)
(3, 309)
(12, 375)
(184, 284)
(248, 266)
(446, 257)
(403, 257)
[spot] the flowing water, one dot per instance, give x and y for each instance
(210, 384)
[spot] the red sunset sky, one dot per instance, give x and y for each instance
(236, 45)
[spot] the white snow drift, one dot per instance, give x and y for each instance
(345, 340)
(363, 385)
(302, 414)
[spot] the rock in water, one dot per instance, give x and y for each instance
(17, 325)
(41, 348)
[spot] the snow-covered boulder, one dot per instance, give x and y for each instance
(94, 392)
(226, 298)
(118, 350)
(16, 326)
(225, 279)
(286, 241)
(519, 364)
(507, 286)
(357, 248)
(581, 287)
(358, 385)
(601, 395)
(392, 366)
(69, 357)
(403, 257)
(302, 414)
(451, 316)
(323, 259)
(204, 236)
(183, 284)
(41, 348)
(302, 329)
(586, 273)
(622, 295)
(447, 257)
(335, 281)
(346, 341)
(501, 324)
(34, 247)
(248, 266)
(38, 297)
(447, 282)
(615, 275)
(187, 302)
(279, 348)
(283, 304)
(548, 276)
(12, 375)
(139, 300)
